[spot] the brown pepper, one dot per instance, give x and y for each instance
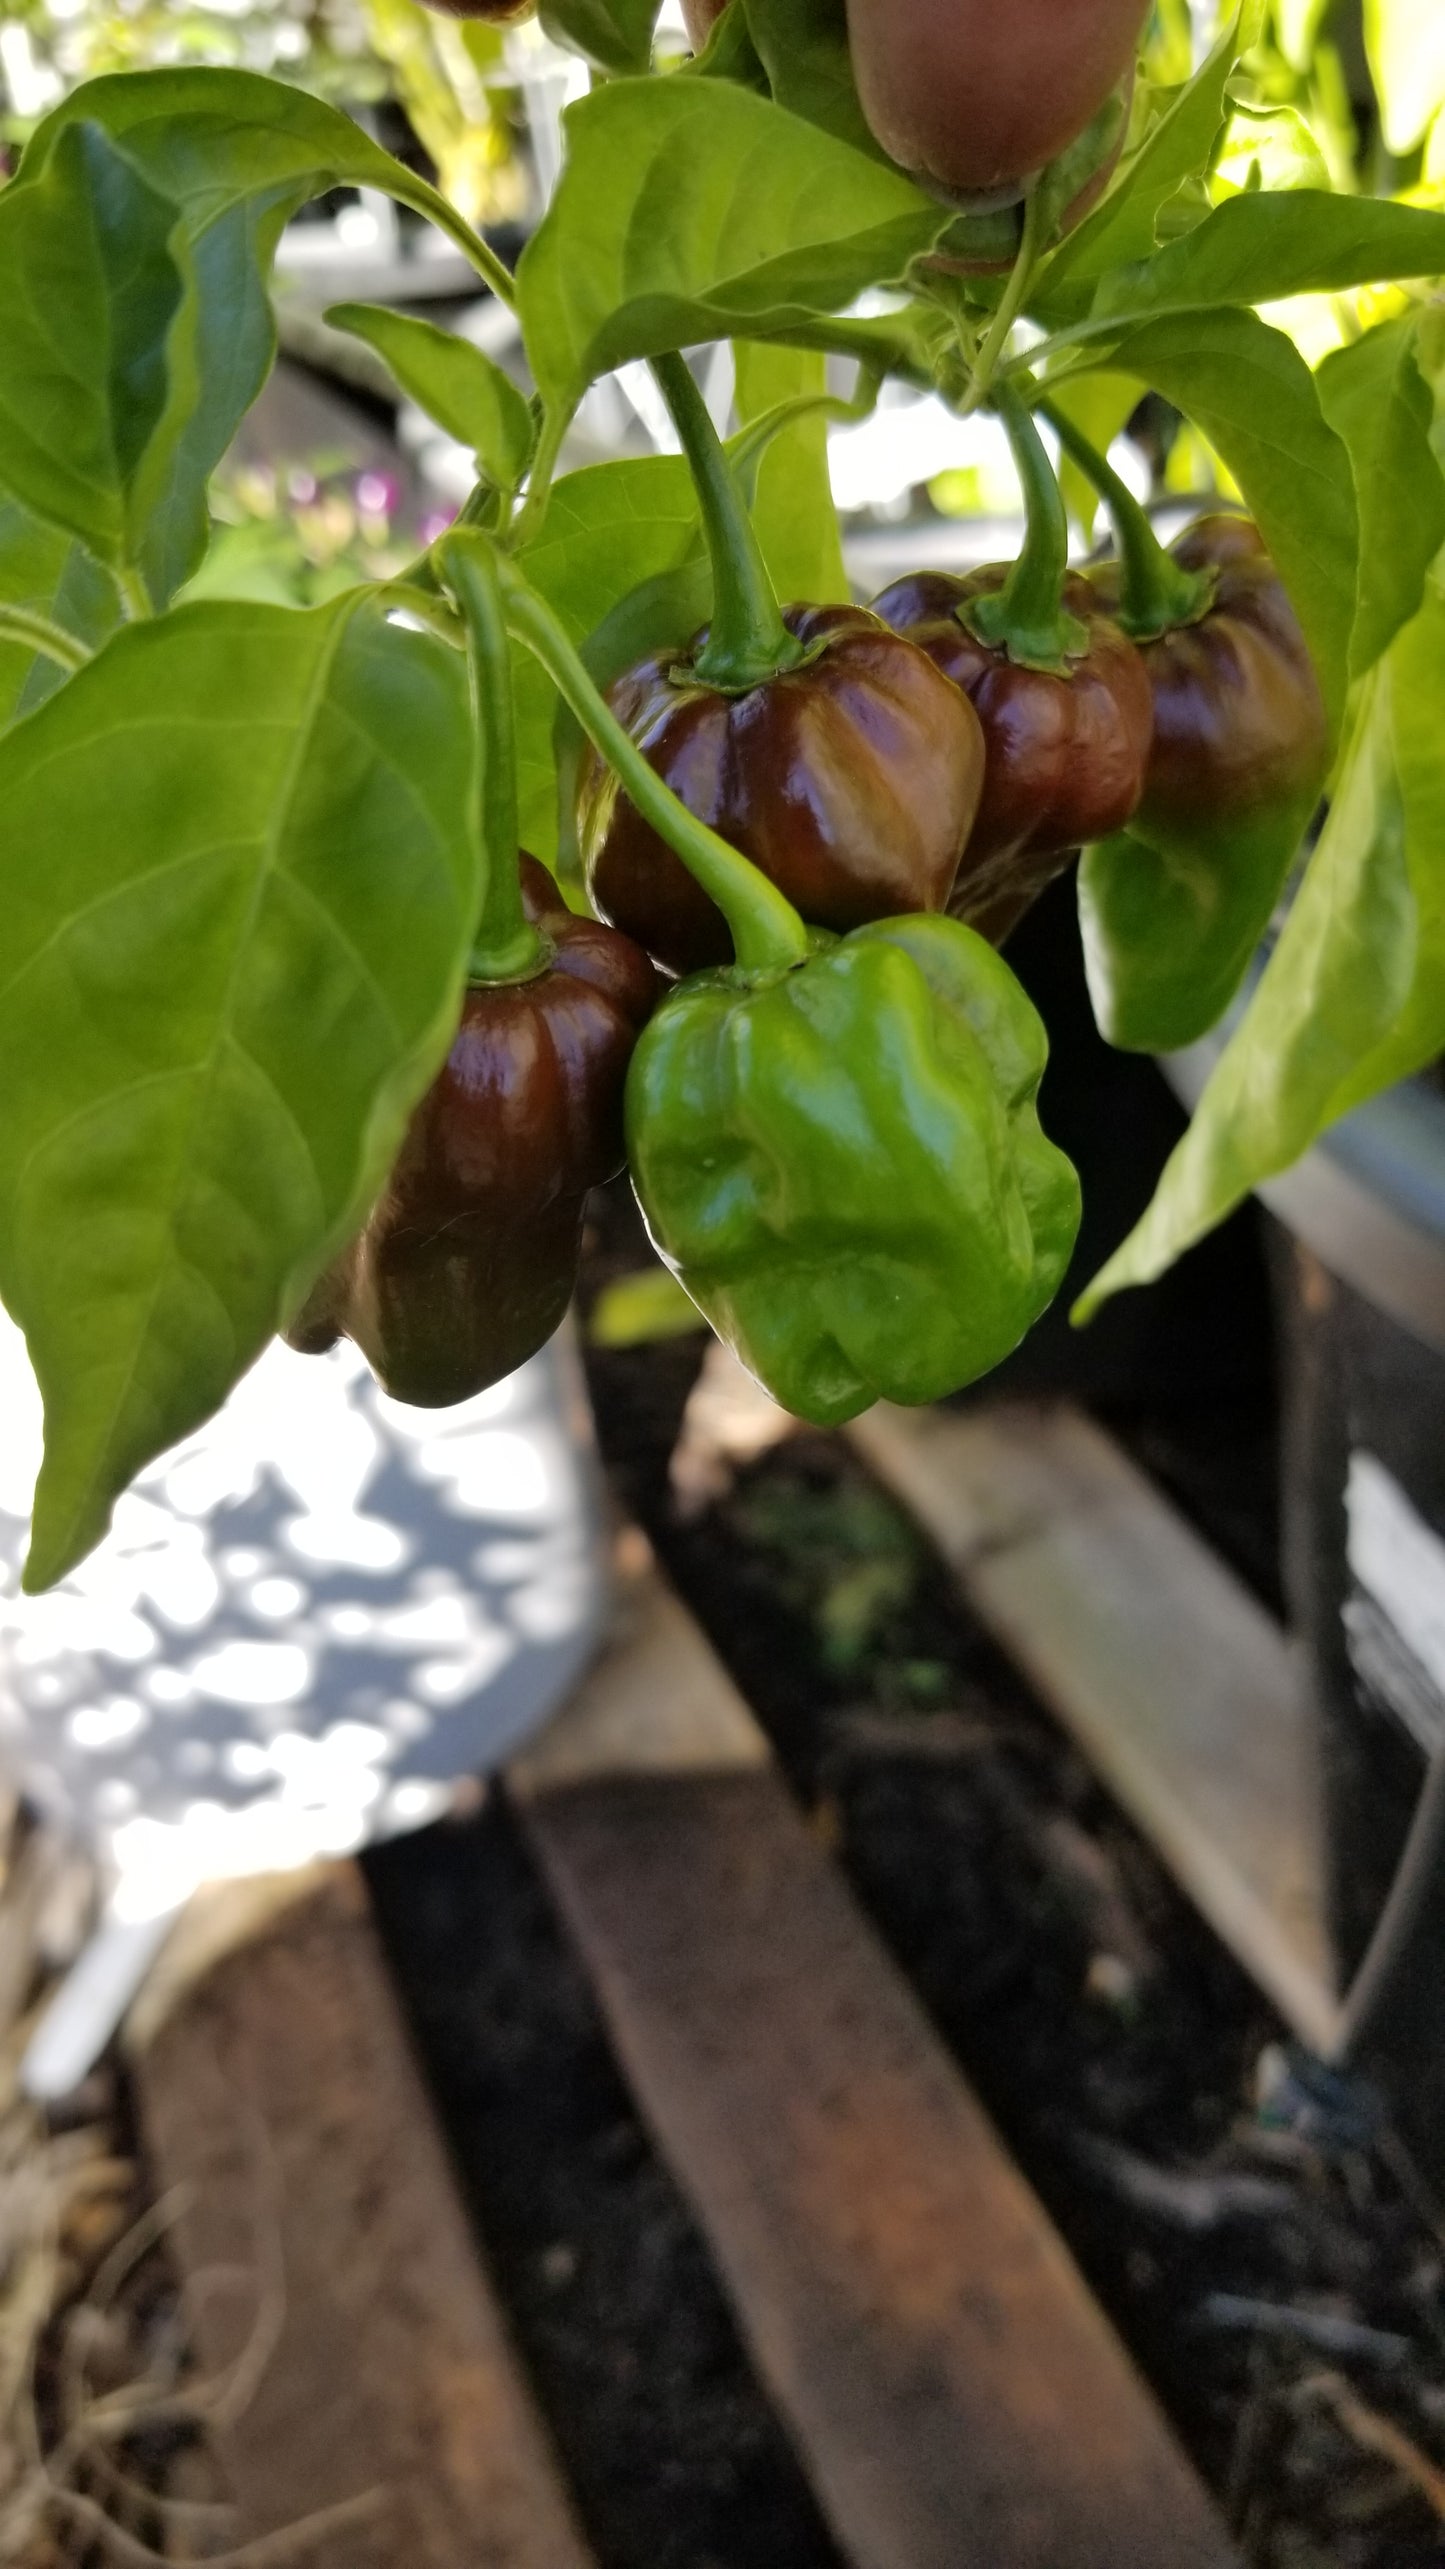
(1065, 749)
(852, 780)
(467, 1262)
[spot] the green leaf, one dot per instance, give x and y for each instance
(1353, 997)
(238, 886)
(462, 389)
(615, 35)
(45, 570)
(691, 210)
(1178, 147)
(729, 53)
(236, 155)
(1263, 248)
(803, 47)
(235, 343)
(1405, 41)
(607, 531)
(1249, 390)
(792, 502)
(1269, 147)
(1375, 397)
(96, 327)
(213, 139)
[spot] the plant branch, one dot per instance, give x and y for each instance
(997, 335)
(1158, 594)
(410, 190)
(507, 947)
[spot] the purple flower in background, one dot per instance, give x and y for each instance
(377, 494)
(435, 523)
(301, 486)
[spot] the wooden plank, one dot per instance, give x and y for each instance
(326, 2253)
(1175, 1682)
(956, 2395)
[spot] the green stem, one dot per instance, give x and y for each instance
(1158, 594)
(748, 641)
(1027, 615)
(135, 598)
(767, 933)
(507, 946)
(1019, 280)
(21, 624)
(417, 589)
(413, 191)
(555, 425)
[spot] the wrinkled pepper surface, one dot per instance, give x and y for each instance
(844, 1167)
(852, 780)
(1173, 909)
(468, 1260)
(1065, 749)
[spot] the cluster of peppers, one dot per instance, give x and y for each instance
(805, 835)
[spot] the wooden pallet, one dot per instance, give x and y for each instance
(372, 2400)
(1175, 1682)
(955, 2395)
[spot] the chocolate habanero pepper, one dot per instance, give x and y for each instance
(1059, 688)
(467, 1262)
(1173, 908)
(829, 749)
(975, 97)
(835, 1142)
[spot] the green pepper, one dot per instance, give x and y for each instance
(1174, 906)
(842, 1163)
(834, 1141)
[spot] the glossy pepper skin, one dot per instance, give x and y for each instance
(1065, 750)
(1173, 910)
(974, 96)
(843, 1165)
(468, 1260)
(852, 781)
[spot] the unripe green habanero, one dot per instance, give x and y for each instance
(843, 1164)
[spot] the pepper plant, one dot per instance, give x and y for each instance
(292, 1034)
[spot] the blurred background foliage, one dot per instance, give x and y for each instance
(1347, 94)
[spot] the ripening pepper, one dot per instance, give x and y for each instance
(492, 13)
(851, 779)
(843, 1165)
(1065, 746)
(468, 1260)
(1173, 909)
(975, 97)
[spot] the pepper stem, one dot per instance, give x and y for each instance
(1027, 615)
(507, 947)
(767, 933)
(748, 641)
(1158, 594)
